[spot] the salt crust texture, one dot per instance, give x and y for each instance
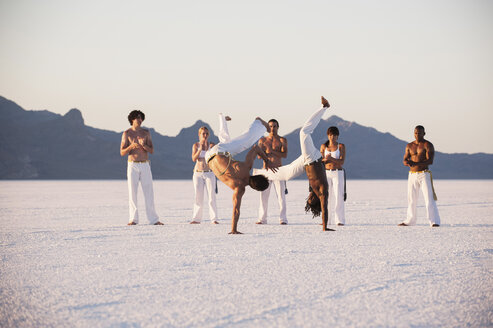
(69, 260)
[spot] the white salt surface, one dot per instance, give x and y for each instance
(68, 259)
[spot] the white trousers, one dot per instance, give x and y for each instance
(415, 182)
(280, 187)
(202, 181)
(238, 144)
(140, 172)
(335, 180)
(309, 153)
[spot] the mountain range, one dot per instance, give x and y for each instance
(44, 145)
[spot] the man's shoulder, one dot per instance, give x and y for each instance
(428, 143)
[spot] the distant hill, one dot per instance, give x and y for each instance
(45, 145)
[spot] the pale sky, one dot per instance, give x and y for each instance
(389, 64)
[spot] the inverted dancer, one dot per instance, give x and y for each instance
(311, 162)
(236, 174)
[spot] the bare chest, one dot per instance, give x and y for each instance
(273, 144)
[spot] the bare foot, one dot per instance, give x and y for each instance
(227, 118)
(325, 103)
(234, 233)
(402, 224)
(259, 222)
(215, 222)
(327, 229)
(283, 223)
(158, 223)
(194, 222)
(131, 223)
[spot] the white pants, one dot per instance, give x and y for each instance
(280, 187)
(335, 180)
(140, 172)
(415, 182)
(201, 181)
(238, 144)
(309, 153)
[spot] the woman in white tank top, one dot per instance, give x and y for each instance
(203, 178)
(334, 154)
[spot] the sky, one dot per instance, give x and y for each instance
(390, 64)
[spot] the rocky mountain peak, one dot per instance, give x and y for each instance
(74, 116)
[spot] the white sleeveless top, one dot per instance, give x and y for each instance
(333, 154)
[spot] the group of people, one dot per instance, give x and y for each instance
(323, 167)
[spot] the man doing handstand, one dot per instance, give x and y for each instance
(236, 174)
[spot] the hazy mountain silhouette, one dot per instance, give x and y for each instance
(45, 145)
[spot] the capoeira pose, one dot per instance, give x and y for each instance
(137, 144)
(418, 156)
(236, 174)
(311, 162)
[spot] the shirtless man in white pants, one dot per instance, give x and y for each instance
(418, 156)
(137, 144)
(276, 148)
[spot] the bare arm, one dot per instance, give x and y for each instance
(430, 154)
(146, 143)
(250, 158)
(195, 152)
(338, 161)
(264, 123)
(237, 195)
(322, 151)
(126, 147)
(407, 156)
(261, 146)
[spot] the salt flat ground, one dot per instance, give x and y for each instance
(68, 259)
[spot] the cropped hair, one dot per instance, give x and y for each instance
(420, 127)
(313, 204)
(258, 182)
(274, 121)
(134, 114)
